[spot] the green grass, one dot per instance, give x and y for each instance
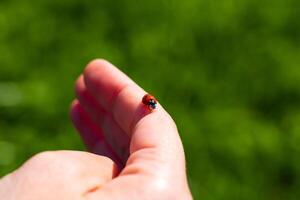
(227, 71)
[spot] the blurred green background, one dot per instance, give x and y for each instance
(227, 71)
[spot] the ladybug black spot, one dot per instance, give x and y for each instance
(152, 104)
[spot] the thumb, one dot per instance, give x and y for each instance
(156, 150)
(153, 134)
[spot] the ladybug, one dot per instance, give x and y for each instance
(149, 101)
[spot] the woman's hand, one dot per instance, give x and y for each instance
(140, 154)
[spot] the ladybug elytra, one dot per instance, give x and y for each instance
(149, 101)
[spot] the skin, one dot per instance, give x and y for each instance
(135, 153)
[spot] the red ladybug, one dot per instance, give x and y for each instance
(149, 101)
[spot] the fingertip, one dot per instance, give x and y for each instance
(95, 65)
(80, 87)
(74, 110)
(104, 81)
(74, 103)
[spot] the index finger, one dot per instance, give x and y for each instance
(116, 92)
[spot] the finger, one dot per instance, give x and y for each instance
(105, 82)
(112, 133)
(91, 134)
(119, 95)
(93, 108)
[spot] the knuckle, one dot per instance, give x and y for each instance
(166, 189)
(56, 166)
(43, 157)
(159, 186)
(54, 161)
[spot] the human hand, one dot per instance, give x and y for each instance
(145, 147)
